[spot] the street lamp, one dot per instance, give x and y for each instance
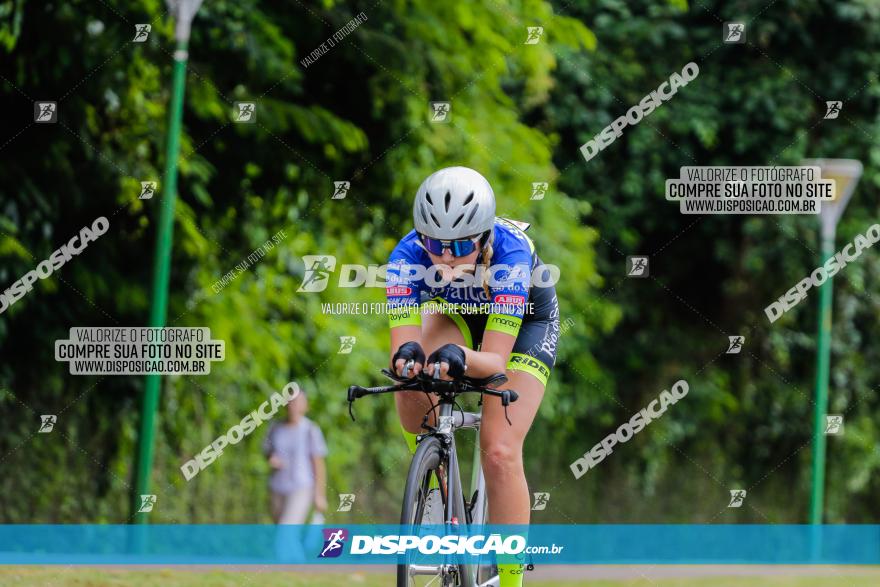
(183, 12)
(845, 173)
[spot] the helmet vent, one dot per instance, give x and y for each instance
(422, 212)
(454, 224)
(428, 197)
(473, 213)
(468, 199)
(448, 200)
(436, 222)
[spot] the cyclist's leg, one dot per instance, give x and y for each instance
(528, 369)
(502, 444)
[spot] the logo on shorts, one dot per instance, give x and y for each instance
(334, 542)
(398, 290)
(530, 362)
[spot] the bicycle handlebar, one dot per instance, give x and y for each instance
(426, 383)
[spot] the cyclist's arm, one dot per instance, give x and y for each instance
(503, 324)
(403, 296)
(493, 356)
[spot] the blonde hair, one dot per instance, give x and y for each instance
(486, 260)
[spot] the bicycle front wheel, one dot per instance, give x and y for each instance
(425, 502)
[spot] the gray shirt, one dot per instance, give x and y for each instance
(295, 445)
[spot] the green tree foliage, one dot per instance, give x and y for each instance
(360, 113)
(748, 419)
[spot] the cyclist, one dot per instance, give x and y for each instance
(491, 315)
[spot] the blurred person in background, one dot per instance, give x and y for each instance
(296, 451)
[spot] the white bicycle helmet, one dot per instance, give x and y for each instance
(454, 203)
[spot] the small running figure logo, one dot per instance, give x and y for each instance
(346, 344)
(141, 32)
(47, 423)
(45, 112)
(833, 424)
(147, 503)
(734, 32)
(440, 111)
(539, 190)
(245, 112)
(346, 500)
(737, 496)
(317, 273)
(541, 500)
(534, 35)
(334, 541)
(148, 189)
(832, 109)
(340, 189)
(637, 266)
(736, 343)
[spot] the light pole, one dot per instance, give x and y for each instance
(845, 173)
(183, 12)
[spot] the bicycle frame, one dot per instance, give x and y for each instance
(449, 422)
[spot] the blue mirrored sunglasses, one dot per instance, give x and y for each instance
(458, 248)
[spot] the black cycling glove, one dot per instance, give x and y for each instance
(409, 350)
(452, 354)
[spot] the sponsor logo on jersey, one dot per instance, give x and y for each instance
(398, 290)
(507, 322)
(510, 299)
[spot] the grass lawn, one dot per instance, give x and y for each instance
(91, 577)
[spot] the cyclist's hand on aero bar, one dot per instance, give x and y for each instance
(451, 358)
(408, 351)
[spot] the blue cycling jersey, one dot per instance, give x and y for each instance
(412, 281)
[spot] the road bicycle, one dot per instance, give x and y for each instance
(433, 495)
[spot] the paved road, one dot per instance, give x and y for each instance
(551, 572)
